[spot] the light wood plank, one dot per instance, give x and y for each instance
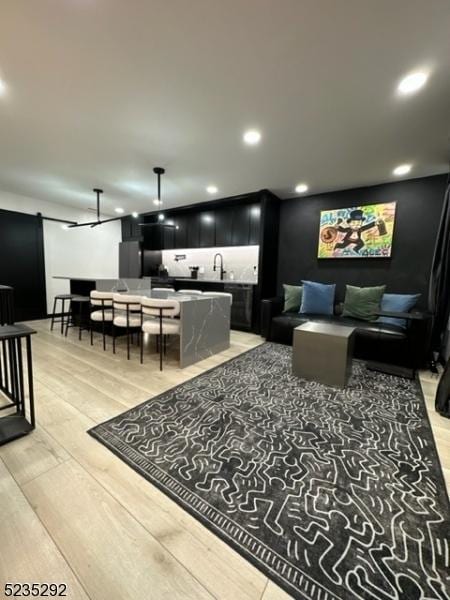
(27, 552)
(274, 592)
(111, 553)
(30, 456)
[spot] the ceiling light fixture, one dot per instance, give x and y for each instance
(156, 202)
(135, 215)
(252, 137)
(211, 189)
(161, 217)
(119, 211)
(301, 188)
(412, 83)
(98, 193)
(401, 170)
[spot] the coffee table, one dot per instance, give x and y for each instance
(322, 352)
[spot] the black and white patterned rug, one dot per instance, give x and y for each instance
(331, 493)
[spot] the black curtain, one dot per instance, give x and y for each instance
(439, 291)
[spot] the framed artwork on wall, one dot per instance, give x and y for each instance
(358, 232)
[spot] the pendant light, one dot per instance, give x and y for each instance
(160, 221)
(158, 172)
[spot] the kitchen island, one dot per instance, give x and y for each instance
(204, 324)
(204, 319)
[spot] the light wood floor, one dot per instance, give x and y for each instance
(70, 511)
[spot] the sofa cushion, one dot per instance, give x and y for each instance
(317, 298)
(397, 303)
(292, 297)
(283, 326)
(362, 302)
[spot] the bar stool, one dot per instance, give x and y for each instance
(192, 292)
(70, 322)
(102, 315)
(161, 323)
(126, 312)
(63, 298)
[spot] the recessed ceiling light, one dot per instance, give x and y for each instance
(135, 214)
(120, 211)
(211, 189)
(161, 217)
(301, 188)
(156, 201)
(402, 170)
(252, 137)
(412, 82)
(64, 227)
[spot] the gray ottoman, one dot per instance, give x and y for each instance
(323, 352)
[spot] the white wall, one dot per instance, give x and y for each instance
(83, 252)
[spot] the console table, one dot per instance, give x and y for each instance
(16, 382)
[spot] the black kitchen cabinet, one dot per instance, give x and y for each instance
(241, 226)
(193, 230)
(126, 228)
(168, 237)
(207, 229)
(131, 229)
(224, 226)
(242, 315)
(181, 226)
(136, 231)
(242, 305)
(153, 237)
(255, 222)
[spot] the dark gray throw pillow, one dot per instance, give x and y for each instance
(292, 297)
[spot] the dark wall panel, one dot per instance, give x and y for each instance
(22, 263)
(419, 204)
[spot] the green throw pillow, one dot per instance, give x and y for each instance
(362, 303)
(292, 297)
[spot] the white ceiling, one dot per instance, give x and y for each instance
(101, 91)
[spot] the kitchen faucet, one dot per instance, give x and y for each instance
(222, 271)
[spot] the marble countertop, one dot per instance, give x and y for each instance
(224, 281)
(162, 280)
(180, 297)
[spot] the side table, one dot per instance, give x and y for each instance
(16, 382)
(323, 352)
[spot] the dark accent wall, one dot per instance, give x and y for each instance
(419, 205)
(22, 263)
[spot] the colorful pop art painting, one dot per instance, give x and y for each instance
(358, 232)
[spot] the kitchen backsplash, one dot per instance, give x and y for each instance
(239, 261)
